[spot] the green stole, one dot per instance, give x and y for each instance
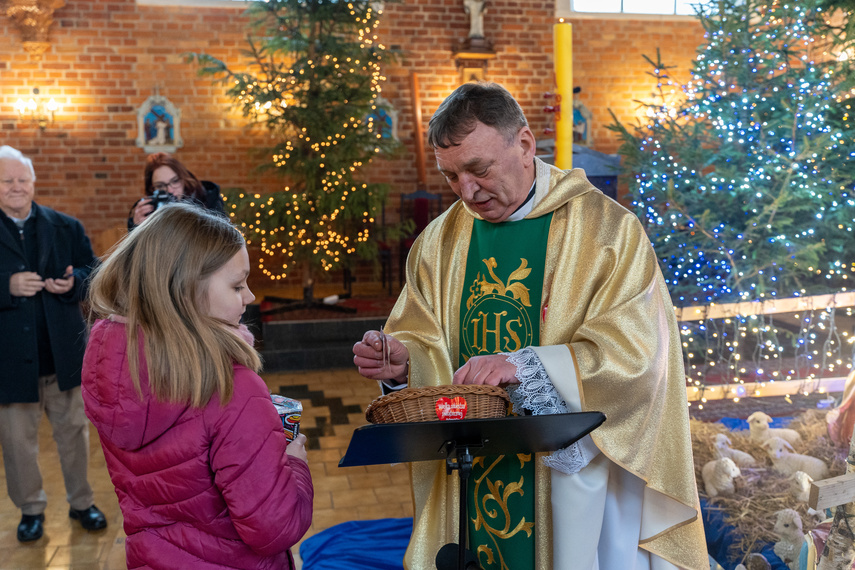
(500, 312)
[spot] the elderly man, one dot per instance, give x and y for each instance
(45, 259)
(536, 281)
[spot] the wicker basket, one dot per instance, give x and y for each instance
(419, 404)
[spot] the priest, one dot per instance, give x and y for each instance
(535, 281)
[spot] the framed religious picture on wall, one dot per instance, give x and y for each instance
(384, 119)
(581, 124)
(159, 125)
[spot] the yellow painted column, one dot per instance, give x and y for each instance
(563, 49)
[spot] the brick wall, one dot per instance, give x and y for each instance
(107, 57)
(607, 59)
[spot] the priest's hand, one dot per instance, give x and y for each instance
(493, 370)
(380, 356)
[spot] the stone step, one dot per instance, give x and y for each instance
(287, 334)
(312, 345)
(327, 357)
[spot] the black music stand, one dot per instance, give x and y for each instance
(458, 442)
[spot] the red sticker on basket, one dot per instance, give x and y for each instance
(451, 408)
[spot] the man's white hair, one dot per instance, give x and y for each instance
(7, 151)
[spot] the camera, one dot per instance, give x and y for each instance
(161, 197)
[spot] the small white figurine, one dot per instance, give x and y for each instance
(475, 9)
(721, 449)
(718, 476)
(788, 527)
(786, 462)
(758, 423)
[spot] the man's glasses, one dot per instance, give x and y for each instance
(162, 186)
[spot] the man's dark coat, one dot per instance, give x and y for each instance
(61, 242)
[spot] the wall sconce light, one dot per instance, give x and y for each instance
(38, 112)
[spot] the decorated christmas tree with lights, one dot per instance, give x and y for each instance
(744, 176)
(312, 82)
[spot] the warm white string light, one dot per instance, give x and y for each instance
(330, 214)
(742, 181)
(734, 99)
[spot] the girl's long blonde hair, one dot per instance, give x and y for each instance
(156, 278)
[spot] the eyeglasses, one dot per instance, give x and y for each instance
(174, 183)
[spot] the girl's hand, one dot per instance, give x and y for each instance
(297, 448)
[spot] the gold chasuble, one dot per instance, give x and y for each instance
(500, 312)
(604, 302)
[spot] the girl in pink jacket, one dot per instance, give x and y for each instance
(196, 450)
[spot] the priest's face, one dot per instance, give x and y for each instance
(490, 174)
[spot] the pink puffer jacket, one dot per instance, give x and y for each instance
(199, 488)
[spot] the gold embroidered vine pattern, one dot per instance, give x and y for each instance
(501, 497)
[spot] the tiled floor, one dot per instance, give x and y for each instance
(333, 401)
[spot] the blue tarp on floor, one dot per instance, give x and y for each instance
(358, 545)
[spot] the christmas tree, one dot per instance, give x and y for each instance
(312, 82)
(743, 176)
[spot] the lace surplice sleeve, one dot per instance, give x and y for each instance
(536, 394)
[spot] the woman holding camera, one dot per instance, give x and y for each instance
(167, 180)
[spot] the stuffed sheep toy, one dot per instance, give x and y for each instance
(758, 424)
(721, 449)
(718, 476)
(788, 526)
(786, 462)
(800, 491)
(800, 486)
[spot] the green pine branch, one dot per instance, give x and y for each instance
(743, 179)
(310, 80)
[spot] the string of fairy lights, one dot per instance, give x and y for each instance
(327, 218)
(746, 353)
(771, 155)
(746, 192)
